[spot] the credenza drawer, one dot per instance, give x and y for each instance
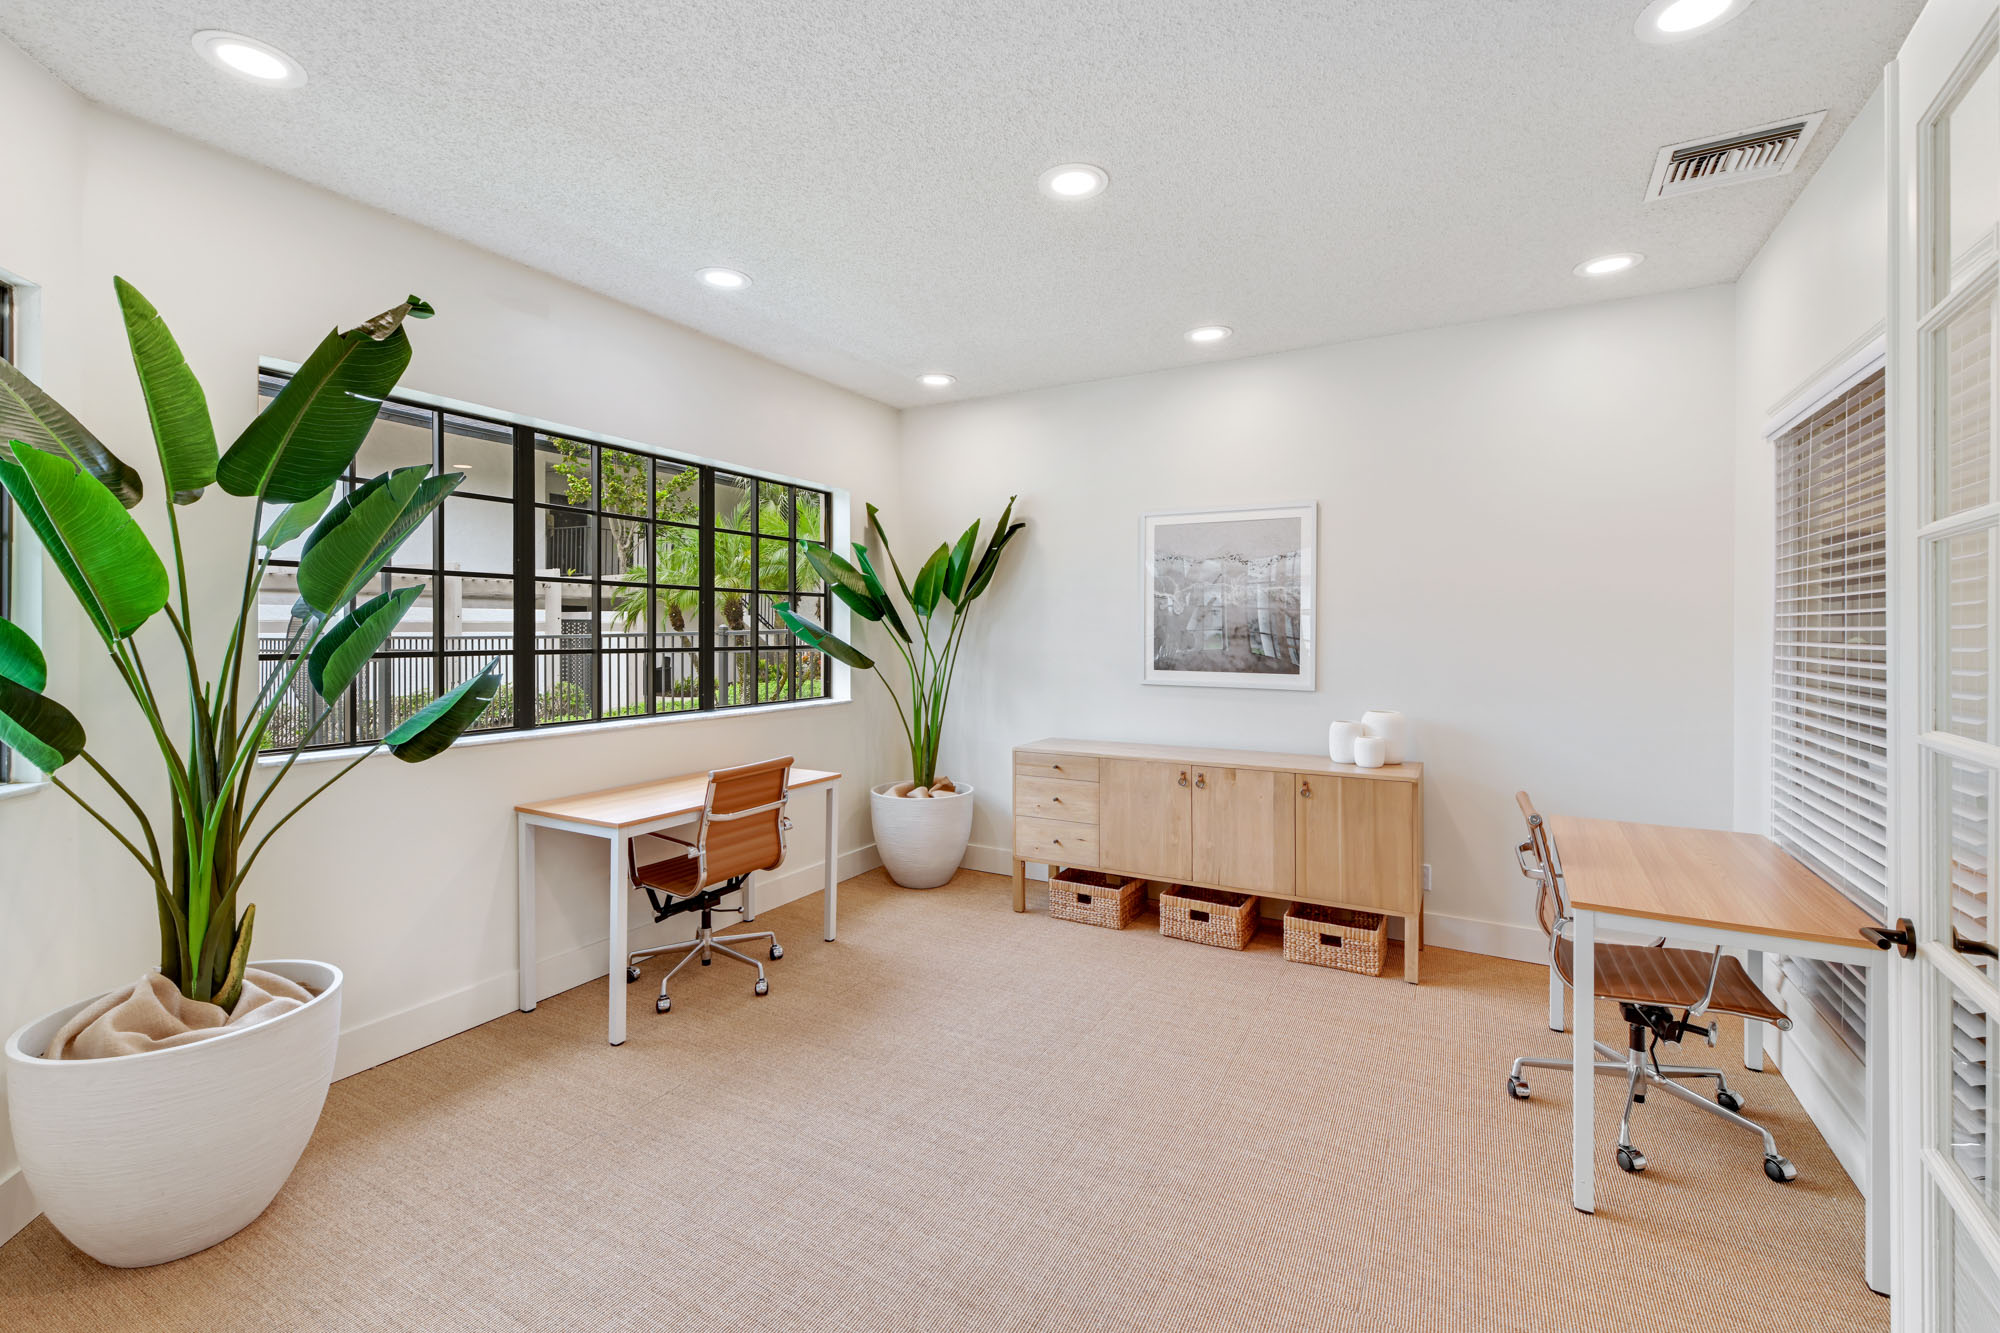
(1055, 798)
(1054, 842)
(1075, 767)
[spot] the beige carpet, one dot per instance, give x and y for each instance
(959, 1118)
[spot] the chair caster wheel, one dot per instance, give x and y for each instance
(776, 953)
(631, 975)
(763, 986)
(662, 1004)
(1780, 1169)
(1517, 1089)
(1729, 1101)
(1631, 1159)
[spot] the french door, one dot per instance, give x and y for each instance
(1943, 96)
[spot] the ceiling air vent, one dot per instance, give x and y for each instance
(1752, 155)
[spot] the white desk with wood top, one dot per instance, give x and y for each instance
(619, 815)
(1709, 887)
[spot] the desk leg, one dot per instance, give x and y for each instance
(1020, 885)
(750, 899)
(1413, 943)
(1556, 1023)
(1583, 1051)
(1876, 1237)
(620, 948)
(1753, 1031)
(832, 856)
(524, 959)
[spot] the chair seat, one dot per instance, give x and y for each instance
(1637, 974)
(677, 874)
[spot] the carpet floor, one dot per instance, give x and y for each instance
(960, 1118)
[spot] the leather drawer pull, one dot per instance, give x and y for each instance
(1196, 914)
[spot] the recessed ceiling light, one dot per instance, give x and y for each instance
(937, 379)
(1074, 180)
(259, 61)
(724, 279)
(1678, 20)
(1210, 333)
(1605, 265)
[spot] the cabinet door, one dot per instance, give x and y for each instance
(1243, 829)
(1357, 843)
(1142, 817)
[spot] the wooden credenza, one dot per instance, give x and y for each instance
(1276, 825)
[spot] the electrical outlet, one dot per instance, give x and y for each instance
(1427, 877)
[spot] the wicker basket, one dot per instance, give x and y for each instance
(1208, 916)
(1336, 937)
(1095, 899)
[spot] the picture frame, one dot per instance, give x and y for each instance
(1229, 597)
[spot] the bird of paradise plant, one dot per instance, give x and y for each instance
(73, 493)
(950, 575)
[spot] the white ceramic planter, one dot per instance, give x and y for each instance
(139, 1159)
(921, 841)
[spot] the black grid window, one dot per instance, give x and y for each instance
(618, 583)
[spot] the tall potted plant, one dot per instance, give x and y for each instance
(922, 825)
(155, 1121)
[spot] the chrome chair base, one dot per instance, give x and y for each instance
(704, 946)
(1640, 1077)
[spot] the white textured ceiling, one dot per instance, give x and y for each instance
(1304, 172)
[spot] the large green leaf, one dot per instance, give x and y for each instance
(444, 719)
(960, 565)
(31, 416)
(306, 438)
(295, 520)
(930, 581)
(46, 734)
(21, 659)
(174, 401)
(879, 593)
(346, 547)
(989, 564)
(816, 637)
(101, 551)
(875, 522)
(345, 648)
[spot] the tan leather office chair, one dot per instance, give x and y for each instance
(742, 831)
(1649, 982)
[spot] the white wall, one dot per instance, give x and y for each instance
(1814, 295)
(404, 874)
(1525, 544)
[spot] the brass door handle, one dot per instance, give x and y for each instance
(1201, 780)
(1305, 789)
(1183, 779)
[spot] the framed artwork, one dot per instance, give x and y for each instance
(1229, 597)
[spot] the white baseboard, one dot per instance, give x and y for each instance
(380, 1040)
(1499, 939)
(17, 1204)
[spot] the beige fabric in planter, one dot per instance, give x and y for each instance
(152, 1014)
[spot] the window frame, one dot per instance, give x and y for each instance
(530, 500)
(9, 325)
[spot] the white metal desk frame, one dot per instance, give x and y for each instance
(619, 945)
(1585, 927)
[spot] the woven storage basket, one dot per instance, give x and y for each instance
(1095, 899)
(1208, 916)
(1336, 937)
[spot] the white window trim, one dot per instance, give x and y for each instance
(24, 600)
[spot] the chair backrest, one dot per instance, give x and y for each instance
(1539, 862)
(743, 822)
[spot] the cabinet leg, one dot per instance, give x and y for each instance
(1413, 944)
(1020, 885)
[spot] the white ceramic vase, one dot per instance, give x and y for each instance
(1340, 738)
(1370, 752)
(1393, 728)
(923, 840)
(138, 1159)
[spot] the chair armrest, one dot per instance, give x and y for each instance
(1714, 971)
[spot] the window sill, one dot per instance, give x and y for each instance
(278, 757)
(10, 790)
